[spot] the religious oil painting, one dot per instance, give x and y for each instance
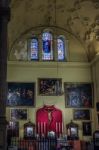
(21, 94)
(98, 118)
(87, 128)
(78, 95)
(49, 86)
(82, 114)
(19, 114)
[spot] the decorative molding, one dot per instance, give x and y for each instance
(49, 65)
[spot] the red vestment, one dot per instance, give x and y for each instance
(49, 118)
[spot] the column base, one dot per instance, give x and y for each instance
(3, 124)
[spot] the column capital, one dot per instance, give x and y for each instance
(5, 13)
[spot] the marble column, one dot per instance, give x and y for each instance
(4, 18)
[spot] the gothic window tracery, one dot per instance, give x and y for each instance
(61, 48)
(47, 50)
(33, 48)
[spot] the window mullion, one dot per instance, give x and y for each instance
(67, 54)
(55, 48)
(28, 50)
(40, 47)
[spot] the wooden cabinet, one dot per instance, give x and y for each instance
(78, 145)
(27, 144)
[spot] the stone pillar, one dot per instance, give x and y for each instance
(4, 18)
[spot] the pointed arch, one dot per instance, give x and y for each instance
(61, 48)
(47, 45)
(33, 48)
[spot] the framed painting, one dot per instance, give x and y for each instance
(98, 118)
(21, 94)
(78, 95)
(81, 114)
(87, 128)
(97, 106)
(19, 114)
(49, 86)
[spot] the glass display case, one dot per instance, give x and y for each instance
(29, 130)
(72, 131)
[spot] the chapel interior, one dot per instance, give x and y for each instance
(52, 74)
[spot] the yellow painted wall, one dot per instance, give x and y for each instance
(30, 72)
(95, 74)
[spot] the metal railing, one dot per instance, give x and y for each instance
(35, 144)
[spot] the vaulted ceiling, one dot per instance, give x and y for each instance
(78, 17)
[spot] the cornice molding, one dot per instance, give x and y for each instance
(49, 64)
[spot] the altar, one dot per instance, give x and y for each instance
(47, 144)
(40, 144)
(47, 133)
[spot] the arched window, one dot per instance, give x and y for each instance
(60, 48)
(41, 46)
(47, 46)
(34, 49)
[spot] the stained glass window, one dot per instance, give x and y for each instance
(34, 49)
(61, 48)
(47, 50)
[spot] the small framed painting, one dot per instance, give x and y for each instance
(19, 114)
(97, 106)
(78, 95)
(81, 114)
(49, 86)
(98, 118)
(87, 128)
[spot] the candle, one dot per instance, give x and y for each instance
(38, 127)
(44, 127)
(41, 127)
(59, 127)
(56, 127)
(62, 127)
